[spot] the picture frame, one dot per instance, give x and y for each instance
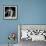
(10, 12)
(39, 28)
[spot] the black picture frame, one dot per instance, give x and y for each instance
(10, 12)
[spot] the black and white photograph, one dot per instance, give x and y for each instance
(33, 32)
(10, 12)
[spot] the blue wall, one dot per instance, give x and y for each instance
(29, 12)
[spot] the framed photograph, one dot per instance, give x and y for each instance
(10, 12)
(32, 32)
